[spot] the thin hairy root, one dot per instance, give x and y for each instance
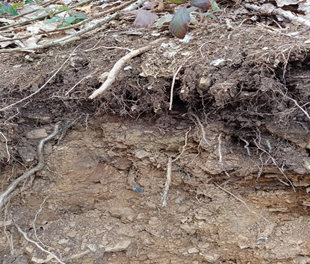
(275, 163)
(203, 133)
(38, 245)
(220, 149)
(168, 181)
(119, 65)
(246, 146)
(170, 160)
(37, 91)
(30, 172)
(240, 200)
(172, 86)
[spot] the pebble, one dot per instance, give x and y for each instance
(36, 133)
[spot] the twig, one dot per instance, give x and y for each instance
(6, 146)
(269, 9)
(203, 133)
(240, 200)
(28, 173)
(119, 65)
(168, 181)
(38, 245)
(37, 91)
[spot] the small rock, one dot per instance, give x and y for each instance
(204, 83)
(72, 233)
(120, 246)
(212, 258)
(192, 250)
(140, 154)
(63, 241)
(36, 133)
(27, 154)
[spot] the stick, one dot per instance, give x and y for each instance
(119, 65)
(269, 9)
(28, 173)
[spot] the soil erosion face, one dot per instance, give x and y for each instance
(232, 155)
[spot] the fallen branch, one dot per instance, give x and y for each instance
(119, 65)
(269, 9)
(28, 173)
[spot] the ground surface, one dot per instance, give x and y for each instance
(241, 128)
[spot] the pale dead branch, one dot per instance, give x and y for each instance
(120, 64)
(269, 9)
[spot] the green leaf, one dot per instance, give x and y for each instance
(178, 1)
(62, 8)
(16, 5)
(215, 6)
(7, 8)
(53, 20)
(179, 23)
(201, 4)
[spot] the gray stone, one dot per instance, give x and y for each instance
(37, 133)
(27, 153)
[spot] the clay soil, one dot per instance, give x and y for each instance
(238, 132)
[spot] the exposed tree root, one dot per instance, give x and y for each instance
(28, 173)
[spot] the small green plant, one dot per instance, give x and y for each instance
(6, 8)
(72, 17)
(181, 19)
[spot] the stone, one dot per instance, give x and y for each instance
(119, 246)
(36, 133)
(192, 250)
(204, 83)
(27, 154)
